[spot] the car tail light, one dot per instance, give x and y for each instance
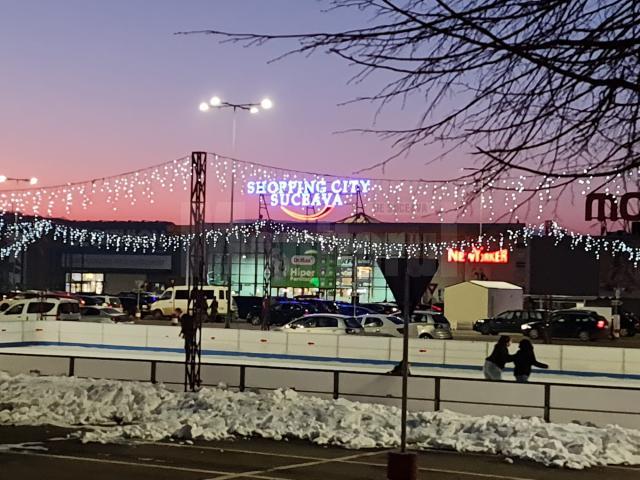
(601, 324)
(435, 308)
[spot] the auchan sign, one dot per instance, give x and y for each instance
(320, 194)
(477, 255)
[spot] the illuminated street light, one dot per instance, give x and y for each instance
(216, 102)
(30, 181)
(266, 103)
(253, 108)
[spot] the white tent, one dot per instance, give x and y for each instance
(466, 302)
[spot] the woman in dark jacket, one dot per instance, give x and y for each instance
(494, 363)
(524, 359)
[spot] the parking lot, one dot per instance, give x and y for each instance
(49, 450)
(470, 335)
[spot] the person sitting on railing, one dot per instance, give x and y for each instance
(524, 359)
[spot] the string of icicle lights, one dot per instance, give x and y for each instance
(398, 199)
(18, 236)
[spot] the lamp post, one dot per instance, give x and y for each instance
(30, 181)
(253, 108)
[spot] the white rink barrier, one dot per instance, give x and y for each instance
(554, 402)
(562, 359)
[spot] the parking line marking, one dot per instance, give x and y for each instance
(235, 450)
(259, 473)
(453, 472)
(118, 462)
(319, 460)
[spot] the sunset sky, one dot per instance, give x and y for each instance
(94, 88)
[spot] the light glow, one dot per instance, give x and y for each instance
(477, 255)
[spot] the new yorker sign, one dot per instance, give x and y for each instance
(607, 207)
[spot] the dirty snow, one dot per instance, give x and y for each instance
(117, 411)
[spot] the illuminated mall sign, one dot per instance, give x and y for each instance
(319, 194)
(477, 255)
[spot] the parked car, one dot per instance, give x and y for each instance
(345, 308)
(382, 308)
(629, 324)
(321, 305)
(88, 300)
(130, 301)
(510, 321)
(281, 312)
(107, 301)
(102, 315)
(582, 324)
(178, 296)
(379, 324)
(324, 323)
(430, 324)
(43, 308)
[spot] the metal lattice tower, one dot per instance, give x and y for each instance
(267, 275)
(197, 303)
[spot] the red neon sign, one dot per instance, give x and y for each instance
(477, 255)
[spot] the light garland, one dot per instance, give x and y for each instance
(19, 235)
(397, 199)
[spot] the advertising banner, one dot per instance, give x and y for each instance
(303, 266)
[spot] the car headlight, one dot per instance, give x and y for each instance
(525, 327)
(479, 321)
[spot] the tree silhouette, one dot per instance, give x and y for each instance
(544, 89)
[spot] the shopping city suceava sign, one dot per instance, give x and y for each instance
(616, 211)
(320, 194)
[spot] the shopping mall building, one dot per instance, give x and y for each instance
(540, 267)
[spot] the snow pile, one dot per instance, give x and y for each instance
(119, 411)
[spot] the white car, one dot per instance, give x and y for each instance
(327, 323)
(178, 295)
(49, 308)
(103, 315)
(384, 325)
(109, 301)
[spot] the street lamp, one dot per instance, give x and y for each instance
(30, 181)
(253, 108)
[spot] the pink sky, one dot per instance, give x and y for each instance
(93, 89)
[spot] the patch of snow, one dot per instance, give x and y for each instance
(119, 411)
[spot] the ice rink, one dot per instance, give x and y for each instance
(346, 365)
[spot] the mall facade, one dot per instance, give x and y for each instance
(540, 267)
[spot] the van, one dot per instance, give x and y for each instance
(33, 309)
(177, 296)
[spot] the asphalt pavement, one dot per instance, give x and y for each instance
(51, 454)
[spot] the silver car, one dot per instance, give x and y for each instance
(103, 315)
(430, 324)
(383, 325)
(327, 323)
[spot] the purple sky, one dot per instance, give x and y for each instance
(94, 88)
